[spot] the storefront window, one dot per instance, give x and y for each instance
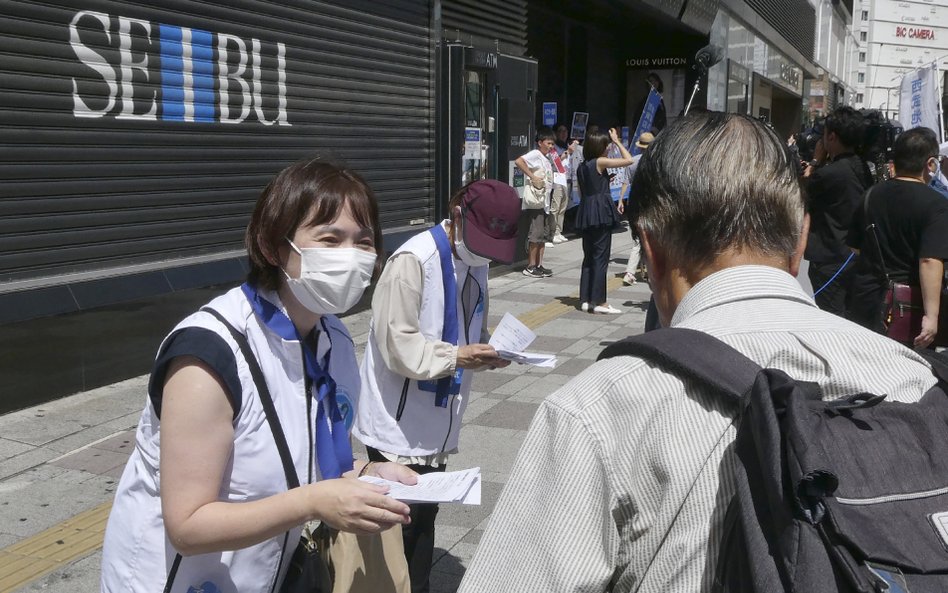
(717, 74)
(730, 83)
(737, 84)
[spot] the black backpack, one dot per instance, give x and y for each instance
(832, 496)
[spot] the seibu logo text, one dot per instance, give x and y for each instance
(150, 71)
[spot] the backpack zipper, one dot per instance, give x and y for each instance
(450, 423)
(401, 401)
(892, 497)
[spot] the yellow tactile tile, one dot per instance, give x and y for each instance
(35, 556)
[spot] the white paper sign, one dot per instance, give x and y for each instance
(437, 487)
(511, 337)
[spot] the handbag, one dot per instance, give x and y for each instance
(325, 559)
(903, 305)
(904, 311)
(538, 198)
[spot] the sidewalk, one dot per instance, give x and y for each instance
(60, 462)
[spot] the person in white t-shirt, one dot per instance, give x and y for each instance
(537, 165)
(559, 201)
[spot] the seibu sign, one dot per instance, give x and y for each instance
(136, 69)
(914, 32)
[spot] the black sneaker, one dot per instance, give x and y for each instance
(546, 272)
(533, 272)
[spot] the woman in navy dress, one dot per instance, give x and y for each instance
(596, 217)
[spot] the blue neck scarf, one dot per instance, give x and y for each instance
(450, 385)
(333, 450)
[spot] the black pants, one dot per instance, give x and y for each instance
(835, 296)
(867, 301)
(597, 247)
(417, 536)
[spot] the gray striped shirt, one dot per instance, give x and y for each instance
(624, 477)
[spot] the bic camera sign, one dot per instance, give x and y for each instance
(138, 70)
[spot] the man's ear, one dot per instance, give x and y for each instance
(654, 260)
(797, 256)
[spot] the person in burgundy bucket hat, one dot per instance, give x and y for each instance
(490, 210)
(428, 333)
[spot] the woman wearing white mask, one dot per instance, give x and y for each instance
(429, 330)
(204, 503)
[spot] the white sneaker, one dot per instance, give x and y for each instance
(560, 239)
(549, 244)
(628, 279)
(606, 310)
(584, 307)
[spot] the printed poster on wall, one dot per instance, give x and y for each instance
(472, 144)
(549, 114)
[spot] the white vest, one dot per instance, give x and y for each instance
(394, 414)
(137, 555)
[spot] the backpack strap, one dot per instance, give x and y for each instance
(939, 364)
(694, 355)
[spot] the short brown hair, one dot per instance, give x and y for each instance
(307, 192)
(595, 144)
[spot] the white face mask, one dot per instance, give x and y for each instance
(466, 256)
(332, 279)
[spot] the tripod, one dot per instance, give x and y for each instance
(705, 58)
(694, 91)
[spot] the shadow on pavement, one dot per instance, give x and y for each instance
(447, 572)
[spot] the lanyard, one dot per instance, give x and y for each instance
(333, 451)
(449, 332)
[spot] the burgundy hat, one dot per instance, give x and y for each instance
(491, 211)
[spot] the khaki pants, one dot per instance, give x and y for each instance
(558, 204)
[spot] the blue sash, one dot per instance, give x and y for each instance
(333, 451)
(450, 385)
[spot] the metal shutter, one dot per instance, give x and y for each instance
(795, 20)
(500, 22)
(85, 188)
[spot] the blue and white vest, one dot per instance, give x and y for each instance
(137, 555)
(399, 415)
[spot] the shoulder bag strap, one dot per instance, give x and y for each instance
(292, 480)
(871, 226)
(694, 355)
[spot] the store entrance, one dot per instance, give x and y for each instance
(778, 107)
(674, 94)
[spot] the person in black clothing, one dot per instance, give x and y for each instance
(910, 221)
(595, 217)
(834, 193)
(658, 124)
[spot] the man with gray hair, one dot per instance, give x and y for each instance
(624, 477)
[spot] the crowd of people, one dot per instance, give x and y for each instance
(243, 449)
(865, 237)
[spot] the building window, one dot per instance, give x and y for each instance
(861, 77)
(863, 36)
(858, 97)
(862, 57)
(865, 15)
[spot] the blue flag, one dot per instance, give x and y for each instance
(646, 120)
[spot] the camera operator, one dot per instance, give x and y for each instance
(834, 192)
